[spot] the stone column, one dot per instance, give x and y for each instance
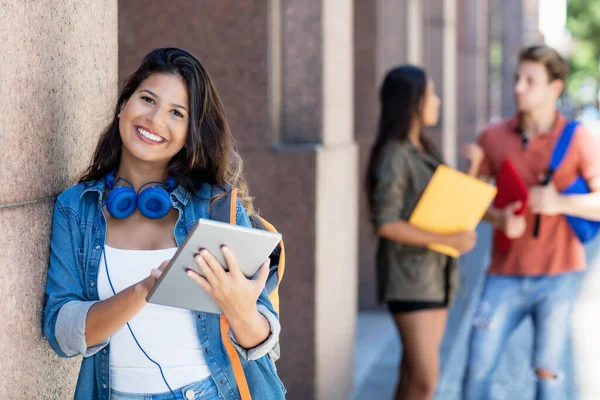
(482, 64)
(284, 71)
(531, 16)
(396, 38)
(366, 108)
(440, 62)
(381, 42)
(473, 64)
(57, 85)
(414, 11)
(337, 207)
(512, 40)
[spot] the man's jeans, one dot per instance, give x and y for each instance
(505, 302)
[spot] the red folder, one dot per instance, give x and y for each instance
(511, 188)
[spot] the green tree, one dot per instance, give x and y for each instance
(583, 21)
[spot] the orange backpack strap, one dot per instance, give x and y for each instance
(233, 206)
(281, 268)
(234, 357)
(274, 295)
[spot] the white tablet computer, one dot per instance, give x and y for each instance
(251, 247)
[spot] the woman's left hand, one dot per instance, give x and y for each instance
(235, 294)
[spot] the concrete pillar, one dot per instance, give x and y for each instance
(531, 17)
(512, 40)
(482, 64)
(368, 72)
(440, 62)
(285, 75)
(337, 208)
(396, 37)
(382, 37)
(473, 64)
(57, 85)
(494, 103)
(414, 35)
(450, 75)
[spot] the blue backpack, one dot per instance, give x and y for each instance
(585, 229)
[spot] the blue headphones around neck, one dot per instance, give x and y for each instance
(153, 202)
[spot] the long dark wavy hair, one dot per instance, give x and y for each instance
(402, 97)
(209, 154)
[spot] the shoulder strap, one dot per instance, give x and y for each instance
(224, 209)
(278, 256)
(234, 357)
(562, 144)
(279, 250)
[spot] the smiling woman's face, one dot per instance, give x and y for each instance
(154, 122)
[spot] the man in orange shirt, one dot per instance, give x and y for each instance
(538, 275)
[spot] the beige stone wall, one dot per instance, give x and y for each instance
(58, 77)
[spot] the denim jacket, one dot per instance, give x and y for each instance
(78, 234)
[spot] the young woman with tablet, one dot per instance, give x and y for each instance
(150, 180)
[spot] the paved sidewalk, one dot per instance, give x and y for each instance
(377, 351)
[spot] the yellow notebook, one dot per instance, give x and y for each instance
(452, 201)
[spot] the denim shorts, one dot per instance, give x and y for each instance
(202, 390)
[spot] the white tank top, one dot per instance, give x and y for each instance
(167, 334)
